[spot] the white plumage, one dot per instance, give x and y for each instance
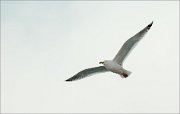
(115, 65)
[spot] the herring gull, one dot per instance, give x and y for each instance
(116, 64)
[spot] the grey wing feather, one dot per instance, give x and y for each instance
(87, 72)
(130, 44)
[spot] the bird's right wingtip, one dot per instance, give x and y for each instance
(149, 26)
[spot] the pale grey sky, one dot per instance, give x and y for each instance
(43, 43)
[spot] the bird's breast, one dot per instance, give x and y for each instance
(114, 67)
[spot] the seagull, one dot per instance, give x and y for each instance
(115, 65)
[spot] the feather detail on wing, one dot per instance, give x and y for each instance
(87, 72)
(130, 44)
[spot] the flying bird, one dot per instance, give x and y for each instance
(115, 65)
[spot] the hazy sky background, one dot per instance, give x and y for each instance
(43, 43)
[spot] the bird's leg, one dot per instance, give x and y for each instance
(125, 73)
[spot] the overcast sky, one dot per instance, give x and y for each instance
(43, 43)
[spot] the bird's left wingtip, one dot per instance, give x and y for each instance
(68, 80)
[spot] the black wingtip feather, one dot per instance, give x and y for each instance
(68, 80)
(149, 26)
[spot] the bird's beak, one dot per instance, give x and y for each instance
(101, 62)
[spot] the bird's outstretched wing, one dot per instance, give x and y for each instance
(87, 72)
(130, 44)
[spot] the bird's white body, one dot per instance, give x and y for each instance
(115, 68)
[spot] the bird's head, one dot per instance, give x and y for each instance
(105, 62)
(101, 62)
